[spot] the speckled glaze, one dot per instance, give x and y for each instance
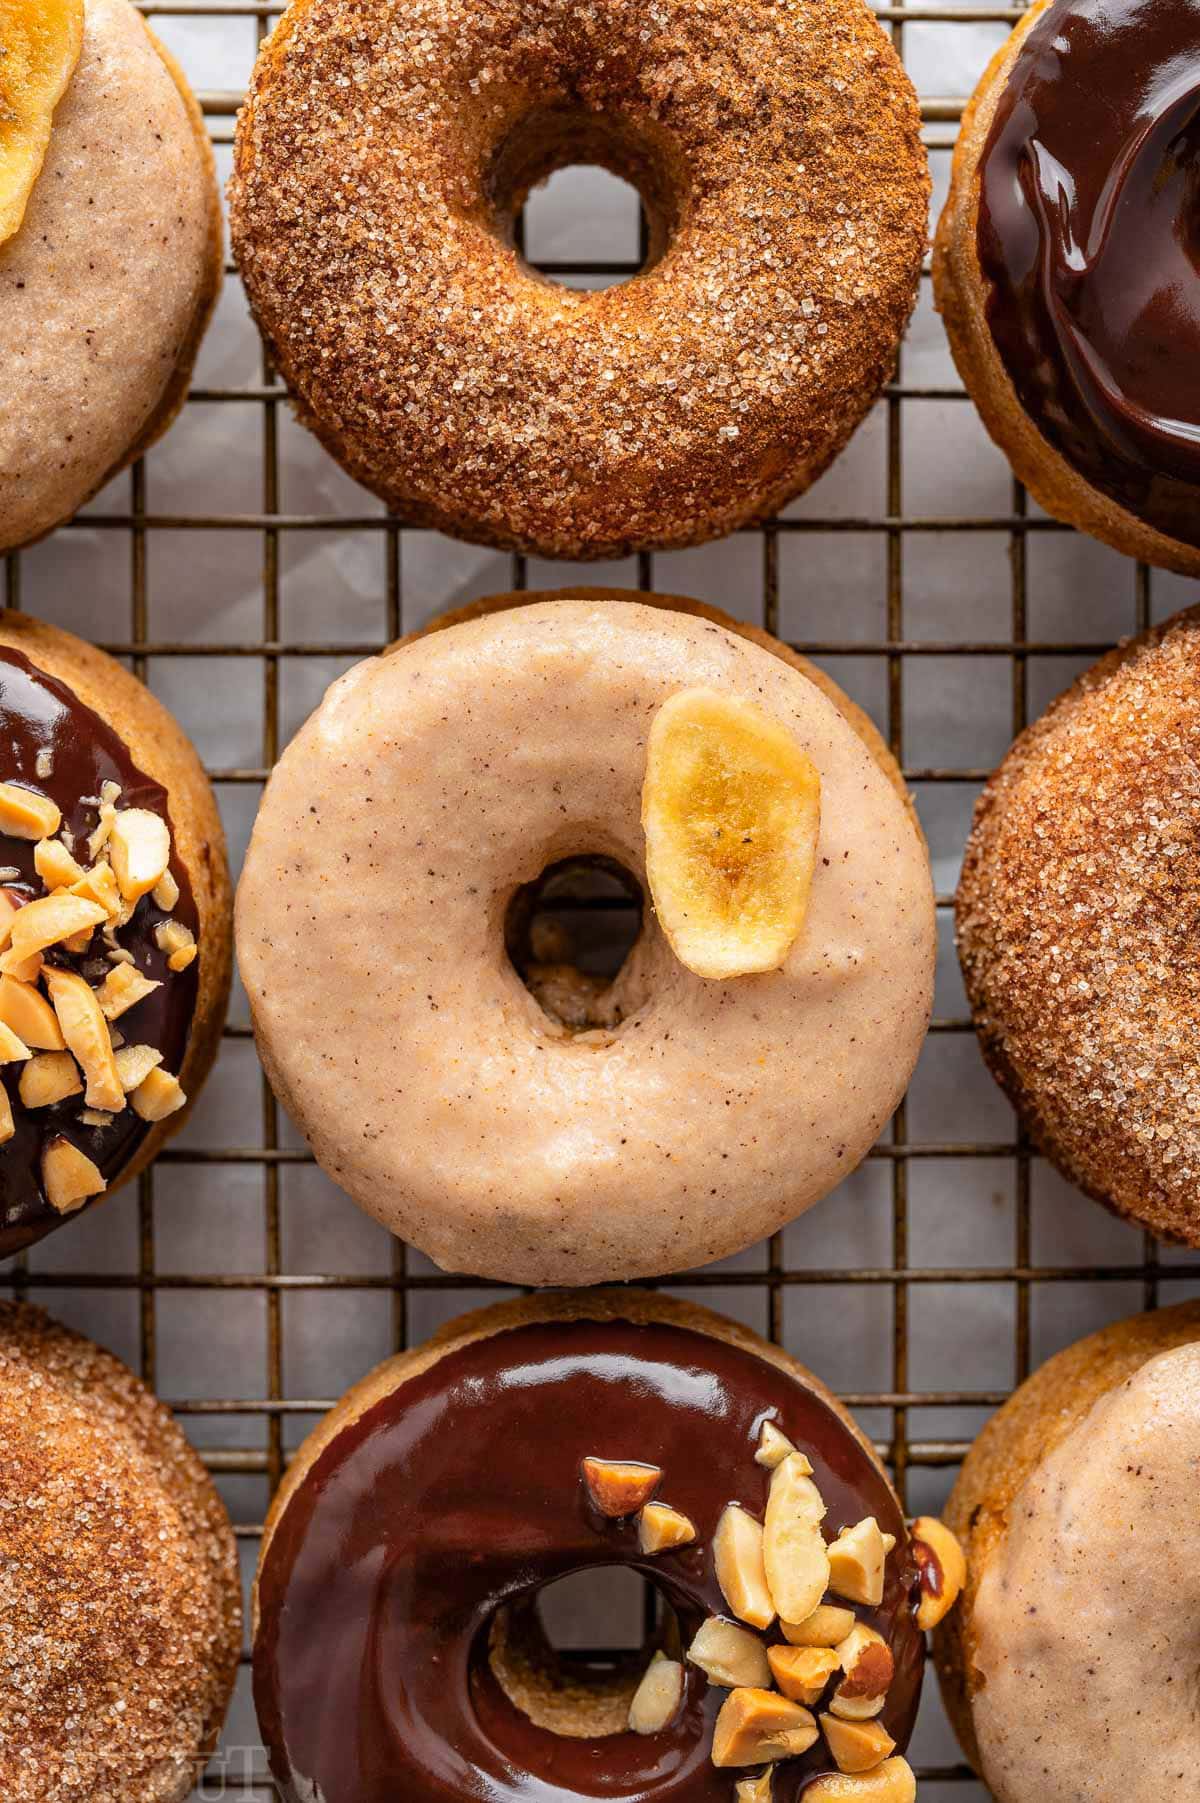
(1085, 1620)
(107, 286)
(383, 153)
(427, 787)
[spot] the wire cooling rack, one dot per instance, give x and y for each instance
(238, 572)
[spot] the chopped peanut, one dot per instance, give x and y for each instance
(50, 1077)
(158, 1096)
(86, 1032)
(68, 1176)
(24, 814)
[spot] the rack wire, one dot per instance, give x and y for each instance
(922, 1430)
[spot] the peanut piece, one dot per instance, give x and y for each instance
(29, 1014)
(738, 1560)
(24, 814)
(657, 1697)
(86, 1032)
(867, 1661)
(50, 921)
(802, 1672)
(620, 1487)
(50, 1077)
(793, 1548)
(943, 1569)
(857, 1746)
(139, 850)
(730, 1656)
(69, 1177)
(827, 1626)
(661, 1528)
(755, 1727)
(774, 1447)
(856, 1561)
(159, 1095)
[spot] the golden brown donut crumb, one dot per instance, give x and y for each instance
(119, 1598)
(1077, 916)
(383, 155)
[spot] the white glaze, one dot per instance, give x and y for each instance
(1088, 1647)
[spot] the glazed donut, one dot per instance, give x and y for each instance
(115, 937)
(387, 148)
(110, 279)
(401, 828)
(1066, 274)
(1067, 1669)
(120, 1602)
(398, 1649)
(1076, 930)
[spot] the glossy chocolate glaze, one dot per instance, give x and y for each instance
(1089, 238)
(461, 1492)
(40, 715)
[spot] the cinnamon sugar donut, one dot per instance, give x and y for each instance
(1077, 913)
(398, 1649)
(387, 147)
(110, 280)
(115, 939)
(1069, 1669)
(687, 1117)
(120, 1603)
(1065, 268)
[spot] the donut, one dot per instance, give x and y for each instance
(110, 278)
(388, 146)
(398, 1648)
(1064, 268)
(120, 1602)
(1066, 1670)
(1075, 924)
(115, 936)
(676, 1118)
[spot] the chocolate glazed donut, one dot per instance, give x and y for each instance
(1067, 267)
(410, 1541)
(74, 728)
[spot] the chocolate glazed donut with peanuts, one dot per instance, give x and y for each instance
(398, 1650)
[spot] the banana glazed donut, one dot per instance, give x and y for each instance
(451, 1092)
(1066, 267)
(398, 1649)
(385, 150)
(111, 275)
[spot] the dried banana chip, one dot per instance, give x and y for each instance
(732, 810)
(40, 42)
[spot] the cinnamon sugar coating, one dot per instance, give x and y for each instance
(383, 153)
(1077, 929)
(119, 1598)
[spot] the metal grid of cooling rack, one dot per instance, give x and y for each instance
(1003, 1257)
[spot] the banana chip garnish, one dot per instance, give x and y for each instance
(40, 42)
(732, 810)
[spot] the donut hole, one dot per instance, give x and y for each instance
(568, 146)
(570, 1658)
(569, 935)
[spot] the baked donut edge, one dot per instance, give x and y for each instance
(159, 746)
(960, 297)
